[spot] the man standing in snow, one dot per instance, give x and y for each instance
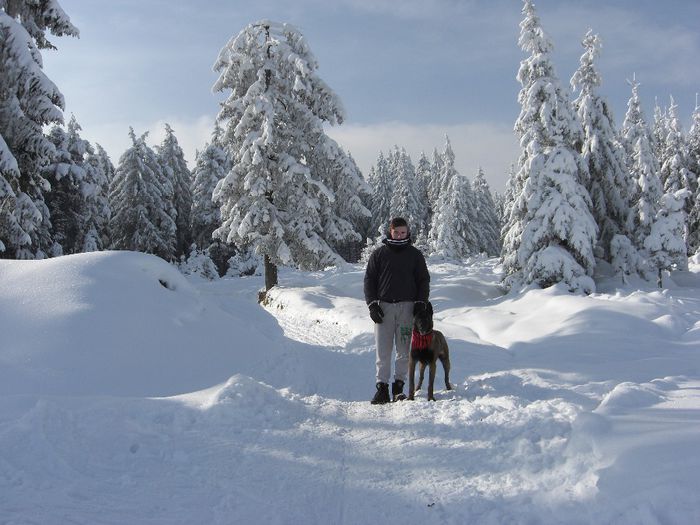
(396, 284)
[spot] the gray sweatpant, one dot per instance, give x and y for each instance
(395, 329)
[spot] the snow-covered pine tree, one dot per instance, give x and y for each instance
(404, 199)
(341, 216)
(277, 104)
(453, 228)
(172, 161)
(674, 165)
(424, 172)
(65, 174)
(363, 224)
(634, 124)
(487, 225)
(601, 150)
(153, 162)
(78, 198)
(199, 262)
(96, 194)
(28, 101)
(666, 242)
(444, 171)
(210, 167)
(140, 220)
(105, 163)
(646, 190)
(434, 187)
(659, 132)
(372, 182)
(499, 202)
(382, 188)
(447, 168)
(551, 232)
(693, 142)
(513, 188)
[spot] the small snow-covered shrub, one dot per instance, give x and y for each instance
(245, 262)
(625, 258)
(199, 263)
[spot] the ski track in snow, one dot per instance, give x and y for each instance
(294, 439)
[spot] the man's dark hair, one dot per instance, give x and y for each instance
(396, 222)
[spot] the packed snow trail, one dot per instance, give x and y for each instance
(246, 451)
(567, 409)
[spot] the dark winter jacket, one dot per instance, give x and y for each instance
(396, 273)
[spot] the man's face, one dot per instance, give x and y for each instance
(399, 233)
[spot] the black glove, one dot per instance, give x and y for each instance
(376, 312)
(418, 306)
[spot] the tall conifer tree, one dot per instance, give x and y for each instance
(486, 217)
(382, 188)
(140, 220)
(28, 102)
(602, 153)
(404, 199)
(275, 110)
(674, 161)
(694, 167)
(174, 166)
(342, 210)
(423, 177)
(78, 198)
(551, 233)
(453, 231)
(643, 166)
(210, 167)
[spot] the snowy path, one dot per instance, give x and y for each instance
(255, 452)
(557, 417)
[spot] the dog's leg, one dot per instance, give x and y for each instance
(445, 360)
(431, 379)
(411, 377)
(420, 375)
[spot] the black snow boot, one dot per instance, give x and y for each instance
(397, 391)
(382, 395)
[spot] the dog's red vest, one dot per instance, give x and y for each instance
(420, 341)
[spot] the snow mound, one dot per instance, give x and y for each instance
(565, 409)
(111, 323)
(242, 400)
(627, 396)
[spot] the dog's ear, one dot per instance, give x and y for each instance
(430, 308)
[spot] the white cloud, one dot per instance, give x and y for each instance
(493, 147)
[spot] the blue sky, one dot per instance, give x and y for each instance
(407, 71)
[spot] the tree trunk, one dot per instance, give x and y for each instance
(270, 279)
(270, 274)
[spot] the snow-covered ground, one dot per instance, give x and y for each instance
(128, 400)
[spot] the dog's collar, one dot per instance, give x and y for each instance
(421, 341)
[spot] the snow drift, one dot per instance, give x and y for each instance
(131, 394)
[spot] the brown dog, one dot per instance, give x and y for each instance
(427, 346)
